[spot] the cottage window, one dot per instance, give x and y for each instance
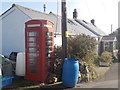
(106, 46)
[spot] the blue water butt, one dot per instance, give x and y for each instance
(70, 72)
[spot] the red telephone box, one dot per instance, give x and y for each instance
(39, 49)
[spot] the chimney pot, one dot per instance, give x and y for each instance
(93, 21)
(13, 5)
(44, 6)
(75, 13)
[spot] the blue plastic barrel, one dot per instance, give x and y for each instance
(70, 72)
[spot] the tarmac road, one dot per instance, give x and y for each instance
(110, 79)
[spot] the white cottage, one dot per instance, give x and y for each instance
(13, 28)
(12, 38)
(109, 44)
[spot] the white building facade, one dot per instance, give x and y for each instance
(12, 31)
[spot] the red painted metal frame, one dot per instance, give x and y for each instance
(42, 69)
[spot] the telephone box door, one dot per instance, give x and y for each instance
(39, 48)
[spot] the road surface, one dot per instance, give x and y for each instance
(110, 79)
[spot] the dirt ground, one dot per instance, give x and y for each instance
(22, 84)
(101, 70)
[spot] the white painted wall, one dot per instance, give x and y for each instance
(13, 31)
(58, 40)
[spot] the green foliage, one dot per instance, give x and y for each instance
(58, 52)
(94, 76)
(106, 57)
(97, 60)
(81, 47)
(92, 73)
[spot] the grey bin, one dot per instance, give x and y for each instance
(7, 66)
(7, 69)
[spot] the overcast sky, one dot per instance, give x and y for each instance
(105, 12)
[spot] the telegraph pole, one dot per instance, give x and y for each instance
(64, 31)
(111, 28)
(118, 44)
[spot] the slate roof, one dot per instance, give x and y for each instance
(95, 29)
(76, 28)
(72, 25)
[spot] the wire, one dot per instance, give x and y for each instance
(57, 17)
(88, 9)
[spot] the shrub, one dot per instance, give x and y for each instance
(106, 57)
(81, 47)
(93, 73)
(58, 52)
(97, 60)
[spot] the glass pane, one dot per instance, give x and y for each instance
(32, 34)
(48, 63)
(49, 58)
(32, 66)
(32, 38)
(49, 43)
(32, 44)
(32, 55)
(49, 39)
(32, 60)
(33, 71)
(48, 54)
(32, 49)
(49, 49)
(48, 33)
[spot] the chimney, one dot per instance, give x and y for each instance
(44, 6)
(13, 5)
(75, 13)
(93, 21)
